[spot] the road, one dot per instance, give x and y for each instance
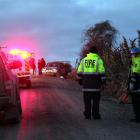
(53, 110)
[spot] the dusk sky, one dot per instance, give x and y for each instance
(54, 28)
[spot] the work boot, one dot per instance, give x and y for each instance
(97, 117)
(87, 116)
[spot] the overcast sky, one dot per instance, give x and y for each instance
(54, 28)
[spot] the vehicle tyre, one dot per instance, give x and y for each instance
(58, 75)
(19, 108)
(18, 101)
(13, 114)
(28, 84)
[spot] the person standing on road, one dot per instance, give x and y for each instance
(42, 63)
(134, 82)
(32, 64)
(39, 67)
(92, 72)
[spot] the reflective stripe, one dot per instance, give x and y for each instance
(80, 72)
(19, 74)
(27, 66)
(133, 79)
(90, 73)
(134, 91)
(83, 65)
(97, 64)
(23, 75)
(103, 78)
(90, 89)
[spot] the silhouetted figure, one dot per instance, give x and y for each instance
(39, 67)
(134, 82)
(43, 63)
(32, 65)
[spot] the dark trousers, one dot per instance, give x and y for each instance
(91, 102)
(136, 104)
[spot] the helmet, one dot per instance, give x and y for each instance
(135, 51)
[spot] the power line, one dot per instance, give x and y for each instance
(3, 47)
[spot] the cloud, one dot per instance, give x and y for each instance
(57, 26)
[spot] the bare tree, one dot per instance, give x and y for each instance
(103, 36)
(117, 59)
(132, 42)
(138, 31)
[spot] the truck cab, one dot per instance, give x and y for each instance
(21, 68)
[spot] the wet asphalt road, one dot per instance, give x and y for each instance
(52, 110)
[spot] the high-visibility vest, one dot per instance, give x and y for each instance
(91, 64)
(134, 78)
(135, 66)
(93, 72)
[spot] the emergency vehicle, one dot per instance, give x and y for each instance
(19, 60)
(10, 105)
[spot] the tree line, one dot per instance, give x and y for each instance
(116, 57)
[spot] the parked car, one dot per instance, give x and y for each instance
(57, 68)
(10, 104)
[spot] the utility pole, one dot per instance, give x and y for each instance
(3, 47)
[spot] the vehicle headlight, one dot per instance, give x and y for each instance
(43, 70)
(54, 70)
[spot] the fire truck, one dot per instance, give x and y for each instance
(19, 61)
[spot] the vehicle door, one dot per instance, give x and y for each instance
(2, 84)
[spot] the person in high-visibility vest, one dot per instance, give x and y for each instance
(134, 82)
(92, 72)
